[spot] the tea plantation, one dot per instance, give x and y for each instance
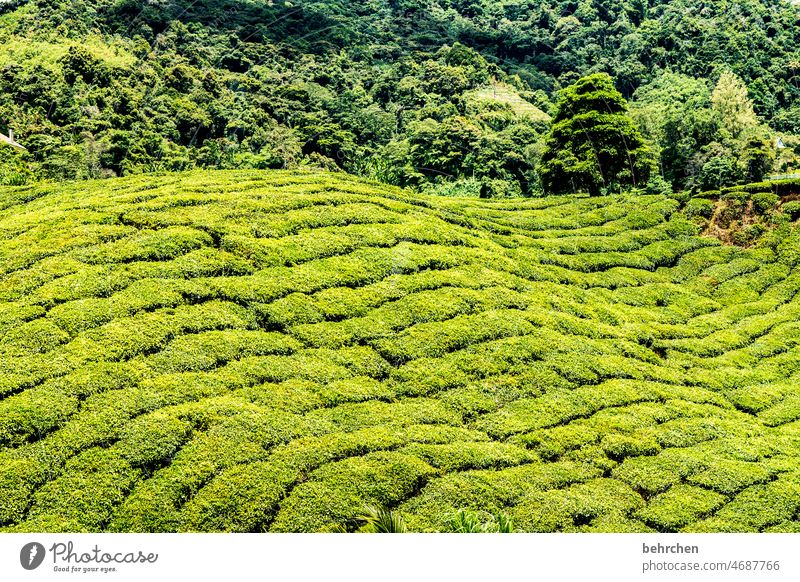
(274, 351)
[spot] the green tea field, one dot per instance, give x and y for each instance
(274, 351)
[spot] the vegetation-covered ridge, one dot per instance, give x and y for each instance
(274, 351)
(449, 97)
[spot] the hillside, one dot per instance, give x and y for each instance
(271, 351)
(442, 96)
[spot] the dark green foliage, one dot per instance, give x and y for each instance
(436, 96)
(593, 145)
(717, 170)
(759, 158)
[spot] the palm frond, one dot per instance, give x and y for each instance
(381, 520)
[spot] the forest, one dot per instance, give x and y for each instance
(452, 97)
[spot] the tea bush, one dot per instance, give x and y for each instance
(275, 351)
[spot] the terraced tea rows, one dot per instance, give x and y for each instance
(240, 351)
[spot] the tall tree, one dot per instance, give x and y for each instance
(674, 114)
(734, 108)
(593, 144)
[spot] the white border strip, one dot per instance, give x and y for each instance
(415, 557)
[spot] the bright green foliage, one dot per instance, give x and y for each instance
(791, 209)
(679, 506)
(705, 131)
(470, 522)
(381, 520)
(275, 351)
(700, 207)
(764, 202)
(593, 144)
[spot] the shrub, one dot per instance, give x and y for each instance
(791, 209)
(577, 505)
(258, 351)
(460, 456)
(763, 202)
(730, 477)
(336, 492)
(33, 413)
(700, 207)
(93, 484)
(679, 506)
(471, 522)
(756, 508)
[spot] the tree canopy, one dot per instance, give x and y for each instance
(593, 144)
(445, 96)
